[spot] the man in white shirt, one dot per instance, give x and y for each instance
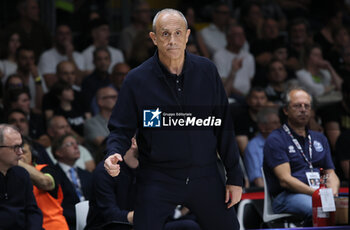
(214, 35)
(62, 51)
(29, 73)
(100, 36)
(141, 19)
(235, 65)
(57, 127)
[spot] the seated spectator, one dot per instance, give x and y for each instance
(20, 99)
(214, 35)
(112, 200)
(18, 208)
(65, 71)
(18, 118)
(343, 154)
(289, 167)
(118, 75)
(75, 182)
(194, 38)
(267, 121)
(262, 48)
(29, 73)
(29, 28)
(279, 53)
(142, 49)
(319, 77)
(99, 78)
(141, 18)
(341, 40)
(332, 21)
(252, 20)
(63, 50)
(298, 41)
(100, 36)
(245, 117)
(235, 66)
(272, 9)
(67, 107)
(46, 188)
(336, 117)
(8, 63)
(14, 81)
(95, 129)
(112, 203)
(58, 126)
(277, 84)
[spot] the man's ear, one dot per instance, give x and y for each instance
(152, 35)
(188, 32)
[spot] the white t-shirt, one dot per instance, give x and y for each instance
(223, 61)
(116, 57)
(85, 156)
(50, 58)
(313, 87)
(7, 68)
(214, 38)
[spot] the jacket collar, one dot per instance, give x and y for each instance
(158, 65)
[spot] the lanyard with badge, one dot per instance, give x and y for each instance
(313, 178)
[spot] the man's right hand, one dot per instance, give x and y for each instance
(130, 217)
(111, 164)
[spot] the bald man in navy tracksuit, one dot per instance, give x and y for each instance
(177, 163)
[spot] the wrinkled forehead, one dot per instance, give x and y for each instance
(170, 21)
(12, 136)
(298, 96)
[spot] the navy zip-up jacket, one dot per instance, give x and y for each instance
(181, 152)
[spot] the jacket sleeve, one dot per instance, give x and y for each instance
(123, 122)
(106, 198)
(34, 217)
(226, 143)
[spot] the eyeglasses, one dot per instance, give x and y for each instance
(15, 148)
(299, 106)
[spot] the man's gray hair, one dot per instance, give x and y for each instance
(296, 88)
(263, 114)
(169, 11)
(3, 129)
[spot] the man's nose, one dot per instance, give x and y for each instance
(172, 38)
(20, 151)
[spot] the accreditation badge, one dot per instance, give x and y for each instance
(313, 179)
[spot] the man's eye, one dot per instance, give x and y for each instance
(165, 33)
(178, 32)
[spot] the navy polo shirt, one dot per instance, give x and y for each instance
(175, 82)
(279, 148)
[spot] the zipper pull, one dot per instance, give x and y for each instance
(187, 180)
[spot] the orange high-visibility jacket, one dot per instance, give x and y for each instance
(50, 207)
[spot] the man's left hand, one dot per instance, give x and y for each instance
(233, 195)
